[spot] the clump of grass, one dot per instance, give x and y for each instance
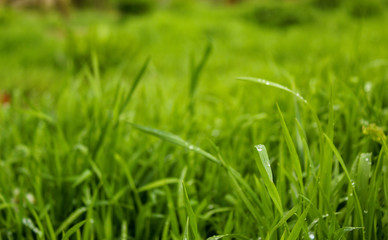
(134, 7)
(365, 9)
(327, 4)
(112, 49)
(301, 155)
(281, 15)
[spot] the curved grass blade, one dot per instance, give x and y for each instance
(283, 220)
(73, 229)
(272, 84)
(30, 225)
(298, 225)
(70, 219)
(169, 137)
(234, 236)
(158, 183)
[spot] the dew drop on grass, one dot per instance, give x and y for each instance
(311, 236)
(259, 147)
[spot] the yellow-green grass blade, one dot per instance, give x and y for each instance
(158, 183)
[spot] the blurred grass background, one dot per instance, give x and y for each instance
(66, 65)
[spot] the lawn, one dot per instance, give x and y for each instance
(249, 121)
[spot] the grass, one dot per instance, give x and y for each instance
(101, 141)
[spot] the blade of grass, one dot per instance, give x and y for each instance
(191, 215)
(283, 220)
(169, 137)
(234, 236)
(73, 230)
(266, 173)
(299, 224)
(158, 183)
(343, 165)
(362, 180)
(291, 147)
(70, 220)
(195, 74)
(272, 84)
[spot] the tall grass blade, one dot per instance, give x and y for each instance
(68, 221)
(351, 184)
(195, 74)
(191, 214)
(283, 220)
(299, 224)
(266, 173)
(362, 180)
(134, 85)
(73, 230)
(291, 148)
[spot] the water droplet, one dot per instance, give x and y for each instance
(311, 235)
(267, 83)
(260, 147)
(368, 86)
(365, 211)
(191, 147)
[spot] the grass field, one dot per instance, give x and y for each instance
(194, 122)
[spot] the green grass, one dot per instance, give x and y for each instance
(193, 123)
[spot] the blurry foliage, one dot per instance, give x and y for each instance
(327, 4)
(110, 49)
(281, 14)
(365, 8)
(134, 6)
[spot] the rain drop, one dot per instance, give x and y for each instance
(259, 147)
(311, 236)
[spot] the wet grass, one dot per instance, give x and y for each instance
(175, 126)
